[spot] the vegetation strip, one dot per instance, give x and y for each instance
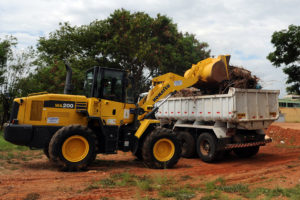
(167, 188)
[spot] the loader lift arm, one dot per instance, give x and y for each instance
(209, 70)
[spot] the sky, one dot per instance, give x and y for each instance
(240, 28)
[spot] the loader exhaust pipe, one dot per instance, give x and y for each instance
(68, 84)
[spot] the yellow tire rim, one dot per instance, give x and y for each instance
(163, 150)
(75, 148)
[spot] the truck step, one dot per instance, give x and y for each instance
(250, 144)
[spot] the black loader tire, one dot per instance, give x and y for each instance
(138, 154)
(188, 144)
(46, 152)
(64, 147)
(207, 147)
(161, 142)
(137, 149)
(246, 152)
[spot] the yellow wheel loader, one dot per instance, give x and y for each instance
(73, 129)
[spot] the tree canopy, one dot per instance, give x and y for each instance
(142, 45)
(287, 53)
(13, 68)
(136, 42)
(5, 55)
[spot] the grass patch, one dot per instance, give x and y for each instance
(14, 157)
(127, 179)
(178, 193)
(7, 155)
(122, 179)
(215, 188)
(237, 188)
(104, 183)
(220, 185)
(107, 182)
(167, 187)
(185, 178)
(162, 184)
(162, 180)
(144, 183)
(14, 154)
(214, 196)
(291, 193)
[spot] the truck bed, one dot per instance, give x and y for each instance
(247, 108)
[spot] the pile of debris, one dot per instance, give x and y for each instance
(188, 92)
(238, 78)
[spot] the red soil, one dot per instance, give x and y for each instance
(278, 162)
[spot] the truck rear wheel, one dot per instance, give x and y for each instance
(246, 152)
(207, 147)
(73, 147)
(161, 149)
(187, 142)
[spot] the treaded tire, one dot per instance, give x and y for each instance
(188, 144)
(56, 145)
(138, 154)
(46, 152)
(207, 147)
(137, 150)
(149, 143)
(246, 152)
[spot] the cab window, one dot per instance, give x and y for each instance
(112, 85)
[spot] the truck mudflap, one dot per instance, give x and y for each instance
(250, 144)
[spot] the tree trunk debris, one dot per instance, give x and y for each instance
(238, 78)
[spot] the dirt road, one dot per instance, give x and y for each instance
(276, 165)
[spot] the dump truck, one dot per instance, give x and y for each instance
(73, 129)
(211, 125)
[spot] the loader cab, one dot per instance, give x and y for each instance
(108, 83)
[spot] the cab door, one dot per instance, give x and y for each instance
(111, 88)
(115, 110)
(111, 92)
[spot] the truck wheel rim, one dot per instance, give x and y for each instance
(75, 148)
(204, 147)
(163, 150)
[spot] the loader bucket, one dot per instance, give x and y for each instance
(210, 70)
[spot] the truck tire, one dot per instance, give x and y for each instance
(207, 147)
(161, 149)
(187, 142)
(73, 147)
(246, 152)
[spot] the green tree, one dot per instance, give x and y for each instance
(142, 45)
(287, 53)
(13, 67)
(5, 56)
